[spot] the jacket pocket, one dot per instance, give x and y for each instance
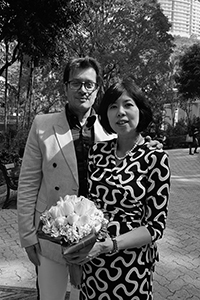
(41, 206)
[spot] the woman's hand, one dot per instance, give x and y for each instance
(101, 247)
(88, 253)
(79, 257)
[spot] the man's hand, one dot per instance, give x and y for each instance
(32, 252)
(154, 144)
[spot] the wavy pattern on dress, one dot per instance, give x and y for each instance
(132, 194)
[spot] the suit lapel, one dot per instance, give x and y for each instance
(65, 141)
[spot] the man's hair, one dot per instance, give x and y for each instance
(83, 63)
(128, 86)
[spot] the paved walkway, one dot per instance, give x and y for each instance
(178, 272)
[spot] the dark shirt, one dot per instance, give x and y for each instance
(83, 137)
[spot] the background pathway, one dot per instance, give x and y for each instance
(178, 272)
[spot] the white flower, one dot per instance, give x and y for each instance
(83, 220)
(65, 207)
(60, 221)
(72, 218)
(83, 206)
(55, 212)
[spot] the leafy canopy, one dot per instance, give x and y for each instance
(188, 79)
(37, 25)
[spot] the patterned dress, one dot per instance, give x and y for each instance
(134, 193)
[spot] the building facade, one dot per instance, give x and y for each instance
(172, 117)
(184, 16)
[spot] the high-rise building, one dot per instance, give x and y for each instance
(184, 16)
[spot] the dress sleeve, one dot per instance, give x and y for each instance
(157, 194)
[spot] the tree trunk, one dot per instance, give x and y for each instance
(27, 107)
(30, 90)
(6, 90)
(18, 93)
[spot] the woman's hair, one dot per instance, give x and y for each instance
(114, 92)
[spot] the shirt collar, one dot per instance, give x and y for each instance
(73, 120)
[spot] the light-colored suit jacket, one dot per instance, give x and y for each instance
(49, 170)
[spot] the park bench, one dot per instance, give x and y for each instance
(9, 176)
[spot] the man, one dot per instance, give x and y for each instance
(54, 165)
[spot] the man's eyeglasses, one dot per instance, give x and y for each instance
(75, 85)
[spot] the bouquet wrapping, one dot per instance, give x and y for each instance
(74, 223)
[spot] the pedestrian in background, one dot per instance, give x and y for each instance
(189, 140)
(195, 140)
(192, 140)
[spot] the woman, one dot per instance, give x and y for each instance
(130, 183)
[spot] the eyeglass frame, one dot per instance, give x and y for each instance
(82, 83)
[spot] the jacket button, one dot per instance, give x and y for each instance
(54, 165)
(57, 188)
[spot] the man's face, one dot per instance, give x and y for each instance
(80, 99)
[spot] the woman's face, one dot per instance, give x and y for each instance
(123, 115)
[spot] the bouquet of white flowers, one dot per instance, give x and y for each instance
(74, 223)
(72, 219)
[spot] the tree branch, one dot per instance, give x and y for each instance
(15, 56)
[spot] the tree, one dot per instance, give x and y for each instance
(128, 38)
(31, 38)
(125, 36)
(36, 26)
(188, 78)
